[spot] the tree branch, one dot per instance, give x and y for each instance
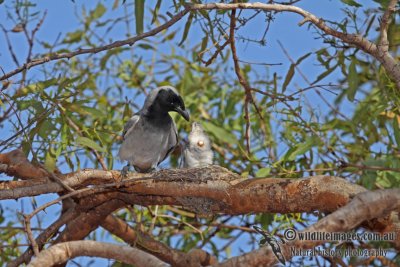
(388, 62)
(242, 80)
(86, 222)
(129, 41)
(15, 163)
(216, 190)
(365, 206)
(219, 189)
(44, 237)
(385, 22)
(62, 252)
(174, 257)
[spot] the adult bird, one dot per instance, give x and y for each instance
(151, 135)
(197, 152)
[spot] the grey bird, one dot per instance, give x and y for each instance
(151, 134)
(197, 152)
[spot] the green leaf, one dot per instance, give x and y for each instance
(187, 28)
(50, 161)
(324, 74)
(351, 3)
(289, 77)
(84, 141)
(302, 58)
(396, 130)
(73, 37)
(139, 15)
(263, 172)
(353, 80)
(368, 179)
(146, 46)
(265, 220)
(291, 71)
(384, 3)
(301, 148)
(204, 42)
(220, 133)
(46, 127)
(107, 56)
(155, 11)
(98, 11)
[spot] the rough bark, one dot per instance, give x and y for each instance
(209, 190)
(63, 252)
(145, 242)
(365, 206)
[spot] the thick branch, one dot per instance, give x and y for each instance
(174, 257)
(86, 222)
(365, 206)
(63, 252)
(15, 163)
(219, 189)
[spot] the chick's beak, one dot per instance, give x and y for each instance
(183, 113)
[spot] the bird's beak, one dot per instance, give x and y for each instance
(183, 113)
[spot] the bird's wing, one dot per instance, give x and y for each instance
(172, 141)
(130, 124)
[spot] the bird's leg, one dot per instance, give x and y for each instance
(125, 170)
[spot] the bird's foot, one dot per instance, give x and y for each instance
(125, 171)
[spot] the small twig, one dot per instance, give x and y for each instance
(16, 114)
(80, 51)
(385, 22)
(74, 193)
(390, 64)
(293, 62)
(27, 126)
(214, 232)
(154, 219)
(20, 228)
(6, 114)
(242, 81)
(28, 217)
(309, 83)
(216, 53)
(32, 37)
(60, 182)
(185, 223)
(28, 230)
(344, 164)
(79, 131)
(10, 48)
(260, 63)
(43, 237)
(15, 245)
